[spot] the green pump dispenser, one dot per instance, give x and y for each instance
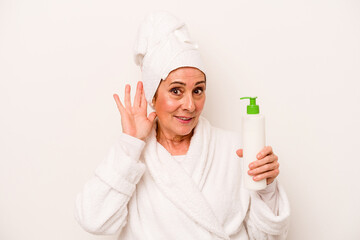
(252, 108)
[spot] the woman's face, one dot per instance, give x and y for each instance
(179, 101)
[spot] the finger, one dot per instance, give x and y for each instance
(263, 161)
(264, 168)
(239, 152)
(264, 152)
(118, 103)
(127, 96)
(271, 174)
(137, 99)
(143, 103)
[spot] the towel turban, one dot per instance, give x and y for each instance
(163, 44)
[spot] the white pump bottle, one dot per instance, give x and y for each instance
(253, 137)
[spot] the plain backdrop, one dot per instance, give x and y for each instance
(61, 62)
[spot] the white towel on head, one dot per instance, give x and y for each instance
(163, 44)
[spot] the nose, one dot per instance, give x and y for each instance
(188, 103)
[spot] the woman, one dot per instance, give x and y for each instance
(171, 175)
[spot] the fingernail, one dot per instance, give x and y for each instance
(256, 178)
(259, 155)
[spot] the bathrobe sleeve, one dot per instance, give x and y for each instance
(101, 206)
(269, 212)
(270, 195)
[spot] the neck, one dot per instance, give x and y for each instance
(174, 144)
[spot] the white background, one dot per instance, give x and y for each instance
(61, 61)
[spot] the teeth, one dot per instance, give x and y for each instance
(184, 118)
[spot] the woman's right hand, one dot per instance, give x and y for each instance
(134, 119)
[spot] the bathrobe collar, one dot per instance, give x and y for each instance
(182, 190)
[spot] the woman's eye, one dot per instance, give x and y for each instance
(175, 91)
(198, 91)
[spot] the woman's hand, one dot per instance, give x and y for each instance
(267, 165)
(134, 120)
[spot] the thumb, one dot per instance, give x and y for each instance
(239, 152)
(152, 116)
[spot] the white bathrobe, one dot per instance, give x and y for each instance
(140, 191)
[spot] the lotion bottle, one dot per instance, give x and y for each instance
(253, 137)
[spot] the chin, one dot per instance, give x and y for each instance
(186, 130)
(175, 127)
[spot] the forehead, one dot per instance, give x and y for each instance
(185, 74)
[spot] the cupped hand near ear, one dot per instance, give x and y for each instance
(134, 119)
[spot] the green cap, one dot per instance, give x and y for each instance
(252, 108)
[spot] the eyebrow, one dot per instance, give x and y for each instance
(181, 83)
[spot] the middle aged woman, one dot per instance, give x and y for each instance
(171, 175)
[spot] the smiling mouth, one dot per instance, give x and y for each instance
(184, 119)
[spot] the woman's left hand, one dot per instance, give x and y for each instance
(267, 165)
